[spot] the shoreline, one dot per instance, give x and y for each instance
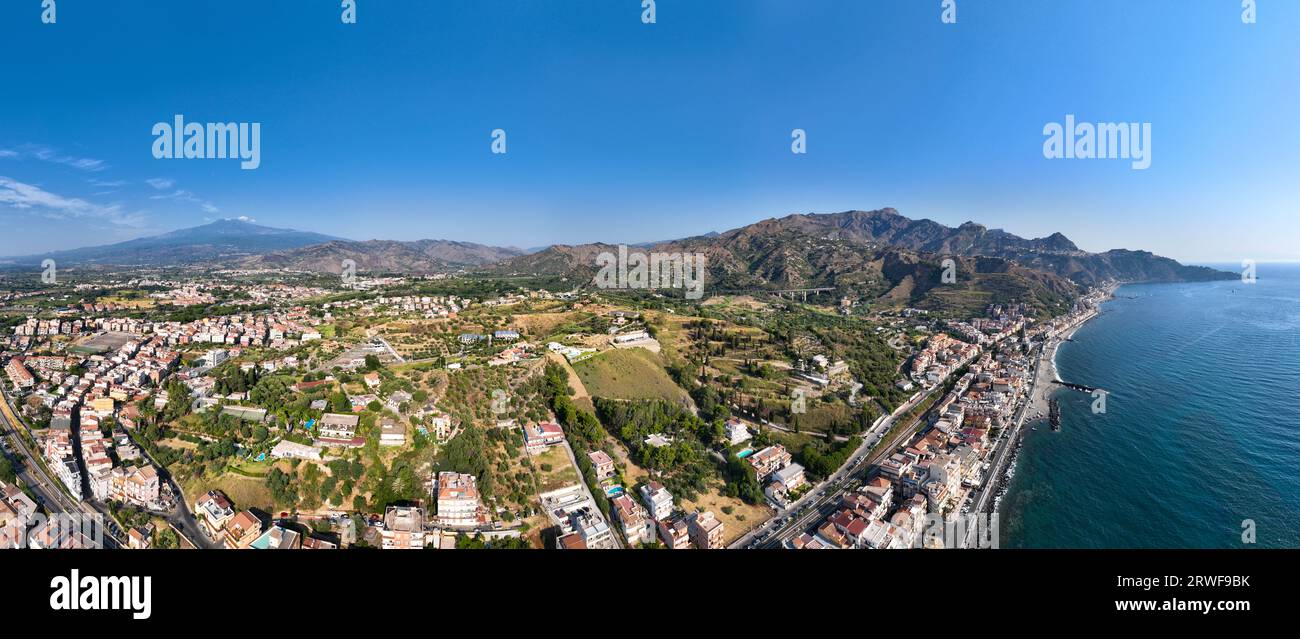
(1043, 385)
(1038, 403)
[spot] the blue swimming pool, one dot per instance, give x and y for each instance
(745, 453)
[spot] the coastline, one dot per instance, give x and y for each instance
(1044, 387)
(1041, 391)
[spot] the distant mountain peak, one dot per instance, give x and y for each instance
(219, 240)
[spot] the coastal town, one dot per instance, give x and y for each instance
(314, 415)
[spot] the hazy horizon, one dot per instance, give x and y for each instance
(1211, 262)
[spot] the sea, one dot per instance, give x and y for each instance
(1199, 442)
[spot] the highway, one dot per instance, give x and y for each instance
(48, 489)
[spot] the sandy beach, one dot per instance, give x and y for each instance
(1047, 373)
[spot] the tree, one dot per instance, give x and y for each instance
(166, 539)
(339, 403)
(283, 488)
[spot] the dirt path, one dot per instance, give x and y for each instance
(580, 395)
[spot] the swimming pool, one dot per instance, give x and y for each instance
(745, 453)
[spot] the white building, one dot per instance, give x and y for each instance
(658, 501)
(737, 432)
(293, 450)
(458, 500)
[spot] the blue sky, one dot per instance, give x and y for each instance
(621, 131)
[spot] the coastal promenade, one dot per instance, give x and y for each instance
(1036, 406)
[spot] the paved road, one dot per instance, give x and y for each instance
(1006, 443)
(47, 488)
(582, 481)
(180, 517)
(392, 351)
(824, 496)
(1003, 446)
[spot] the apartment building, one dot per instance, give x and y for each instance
(403, 528)
(658, 501)
(601, 463)
(458, 500)
(594, 530)
(243, 529)
(18, 373)
(769, 460)
(338, 426)
(636, 523)
(213, 511)
(706, 530)
(675, 532)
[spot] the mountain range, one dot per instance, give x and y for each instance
(877, 254)
(219, 241)
(803, 250)
(239, 243)
(384, 256)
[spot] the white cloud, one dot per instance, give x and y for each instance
(28, 197)
(162, 184)
(181, 195)
(46, 154)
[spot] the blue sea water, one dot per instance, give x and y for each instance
(1201, 429)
